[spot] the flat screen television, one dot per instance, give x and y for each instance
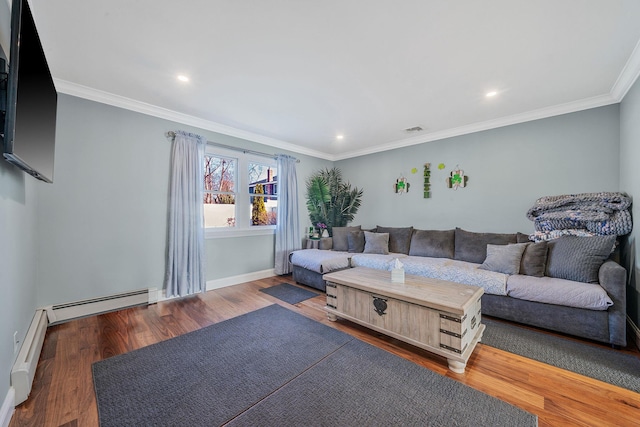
(30, 118)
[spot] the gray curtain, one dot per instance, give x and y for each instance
(185, 242)
(288, 228)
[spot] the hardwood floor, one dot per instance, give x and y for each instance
(63, 394)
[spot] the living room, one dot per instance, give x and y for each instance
(100, 229)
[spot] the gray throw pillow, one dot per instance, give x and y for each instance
(472, 247)
(504, 258)
(356, 241)
(432, 243)
(578, 258)
(339, 235)
(399, 238)
(376, 243)
(534, 259)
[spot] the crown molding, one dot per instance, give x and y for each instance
(628, 75)
(103, 97)
(556, 110)
(624, 82)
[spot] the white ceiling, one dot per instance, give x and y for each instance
(295, 73)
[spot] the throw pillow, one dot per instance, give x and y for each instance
(376, 243)
(504, 258)
(432, 243)
(534, 259)
(399, 238)
(339, 235)
(356, 241)
(472, 247)
(578, 258)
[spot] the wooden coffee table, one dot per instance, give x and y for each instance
(439, 316)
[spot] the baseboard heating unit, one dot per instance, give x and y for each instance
(24, 369)
(73, 310)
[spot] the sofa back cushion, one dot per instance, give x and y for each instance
(472, 247)
(433, 243)
(356, 241)
(399, 238)
(504, 259)
(339, 234)
(578, 258)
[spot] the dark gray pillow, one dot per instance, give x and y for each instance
(522, 238)
(399, 238)
(432, 243)
(534, 259)
(578, 258)
(376, 243)
(339, 235)
(356, 241)
(472, 247)
(504, 258)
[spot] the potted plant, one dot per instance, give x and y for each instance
(330, 201)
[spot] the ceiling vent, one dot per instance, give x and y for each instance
(414, 129)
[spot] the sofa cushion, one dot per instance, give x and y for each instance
(578, 258)
(432, 243)
(399, 238)
(377, 261)
(376, 243)
(558, 291)
(534, 259)
(320, 261)
(355, 240)
(339, 234)
(472, 247)
(504, 258)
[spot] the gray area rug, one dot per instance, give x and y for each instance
(603, 364)
(289, 293)
(276, 367)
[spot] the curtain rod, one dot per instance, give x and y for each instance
(171, 134)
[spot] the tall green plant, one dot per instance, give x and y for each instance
(330, 200)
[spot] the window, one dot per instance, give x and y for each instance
(263, 179)
(240, 194)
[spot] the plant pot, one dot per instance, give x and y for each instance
(325, 233)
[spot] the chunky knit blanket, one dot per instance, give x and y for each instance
(603, 213)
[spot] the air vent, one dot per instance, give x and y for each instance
(414, 129)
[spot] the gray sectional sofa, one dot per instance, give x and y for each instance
(569, 285)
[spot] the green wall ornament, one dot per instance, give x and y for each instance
(457, 178)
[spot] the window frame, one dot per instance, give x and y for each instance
(243, 227)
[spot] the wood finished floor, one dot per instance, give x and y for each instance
(63, 394)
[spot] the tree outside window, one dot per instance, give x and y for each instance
(220, 191)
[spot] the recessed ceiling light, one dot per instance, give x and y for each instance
(491, 94)
(339, 137)
(183, 78)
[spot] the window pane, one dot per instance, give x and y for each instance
(219, 174)
(263, 179)
(264, 211)
(219, 198)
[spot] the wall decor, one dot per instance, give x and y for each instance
(427, 178)
(401, 186)
(457, 178)
(414, 170)
(441, 166)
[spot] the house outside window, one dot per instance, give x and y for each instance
(240, 194)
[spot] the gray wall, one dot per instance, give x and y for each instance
(508, 169)
(630, 183)
(18, 247)
(102, 224)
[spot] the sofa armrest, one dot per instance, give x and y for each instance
(613, 279)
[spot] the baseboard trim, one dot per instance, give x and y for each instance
(8, 408)
(242, 278)
(635, 330)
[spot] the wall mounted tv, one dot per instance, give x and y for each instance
(31, 99)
